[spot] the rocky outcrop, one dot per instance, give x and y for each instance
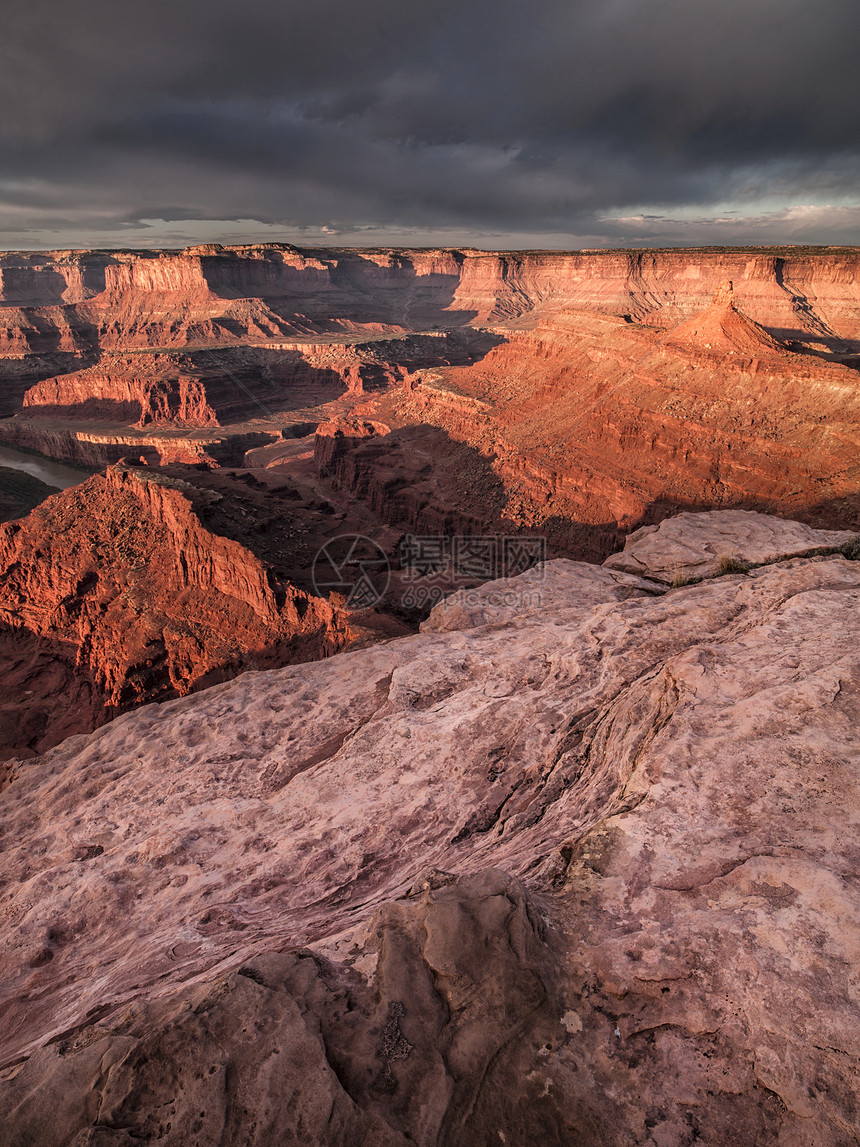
(335, 439)
(549, 586)
(284, 1020)
(589, 419)
(98, 445)
(578, 873)
(690, 547)
(118, 581)
(139, 390)
(198, 389)
(214, 387)
(807, 294)
(415, 478)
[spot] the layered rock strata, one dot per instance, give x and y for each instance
(591, 420)
(579, 872)
(268, 291)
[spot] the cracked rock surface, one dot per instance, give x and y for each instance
(582, 873)
(690, 546)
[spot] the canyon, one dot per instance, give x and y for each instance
(572, 398)
(432, 719)
(584, 382)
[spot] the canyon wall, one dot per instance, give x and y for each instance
(112, 394)
(97, 448)
(221, 385)
(212, 336)
(205, 388)
(590, 419)
(415, 478)
(136, 298)
(119, 583)
(597, 400)
(814, 296)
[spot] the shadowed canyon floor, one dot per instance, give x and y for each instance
(576, 864)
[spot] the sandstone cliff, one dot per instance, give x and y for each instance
(113, 593)
(211, 387)
(604, 394)
(176, 298)
(593, 420)
(576, 865)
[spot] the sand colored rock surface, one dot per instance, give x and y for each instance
(703, 545)
(583, 874)
(550, 586)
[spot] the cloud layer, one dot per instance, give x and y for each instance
(485, 122)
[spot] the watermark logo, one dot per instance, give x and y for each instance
(353, 566)
(465, 558)
(432, 567)
(435, 566)
(425, 597)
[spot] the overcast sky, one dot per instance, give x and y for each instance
(487, 123)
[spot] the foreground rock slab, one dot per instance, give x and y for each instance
(691, 546)
(586, 874)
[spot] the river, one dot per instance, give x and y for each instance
(51, 473)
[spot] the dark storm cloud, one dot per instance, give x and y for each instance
(464, 117)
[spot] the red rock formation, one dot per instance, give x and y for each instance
(658, 766)
(143, 389)
(796, 294)
(84, 415)
(28, 331)
(415, 478)
(172, 299)
(136, 600)
(595, 420)
(587, 426)
(98, 446)
(333, 440)
(587, 418)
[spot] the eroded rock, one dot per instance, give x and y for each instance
(691, 546)
(463, 1000)
(114, 593)
(673, 781)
